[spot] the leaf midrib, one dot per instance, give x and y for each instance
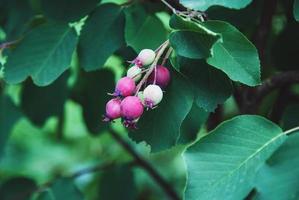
(245, 161)
(52, 51)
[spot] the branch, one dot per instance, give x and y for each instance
(276, 81)
(146, 166)
(264, 27)
(253, 97)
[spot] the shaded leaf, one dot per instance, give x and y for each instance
(19, 188)
(9, 115)
(192, 40)
(15, 15)
(142, 29)
(211, 86)
(224, 163)
(40, 103)
(205, 4)
(296, 9)
(62, 188)
(118, 183)
(192, 124)
(91, 93)
(67, 10)
(44, 54)
(235, 54)
(278, 179)
(160, 128)
(102, 34)
(192, 44)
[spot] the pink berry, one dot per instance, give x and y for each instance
(131, 108)
(162, 76)
(125, 87)
(113, 109)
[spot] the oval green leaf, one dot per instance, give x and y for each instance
(224, 163)
(44, 54)
(205, 4)
(102, 34)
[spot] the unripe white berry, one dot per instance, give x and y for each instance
(153, 95)
(146, 56)
(134, 73)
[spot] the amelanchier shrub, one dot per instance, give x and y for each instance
(213, 82)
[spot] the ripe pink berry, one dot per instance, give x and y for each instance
(145, 57)
(131, 108)
(162, 76)
(125, 87)
(152, 95)
(113, 109)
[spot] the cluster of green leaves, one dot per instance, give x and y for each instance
(61, 53)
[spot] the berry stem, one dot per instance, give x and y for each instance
(143, 71)
(159, 51)
(168, 53)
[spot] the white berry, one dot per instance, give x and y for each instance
(146, 57)
(153, 95)
(134, 73)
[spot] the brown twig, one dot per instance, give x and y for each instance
(276, 81)
(264, 28)
(253, 97)
(146, 166)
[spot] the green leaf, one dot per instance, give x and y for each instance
(296, 9)
(205, 4)
(67, 10)
(9, 115)
(40, 103)
(118, 183)
(278, 179)
(235, 54)
(192, 40)
(93, 99)
(14, 17)
(62, 188)
(102, 34)
(192, 124)
(142, 29)
(192, 44)
(211, 86)
(224, 163)
(160, 128)
(44, 54)
(17, 188)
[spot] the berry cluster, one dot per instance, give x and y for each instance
(129, 101)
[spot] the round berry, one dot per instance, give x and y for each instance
(162, 76)
(131, 108)
(134, 73)
(125, 87)
(153, 95)
(145, 57)
(113, 109)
